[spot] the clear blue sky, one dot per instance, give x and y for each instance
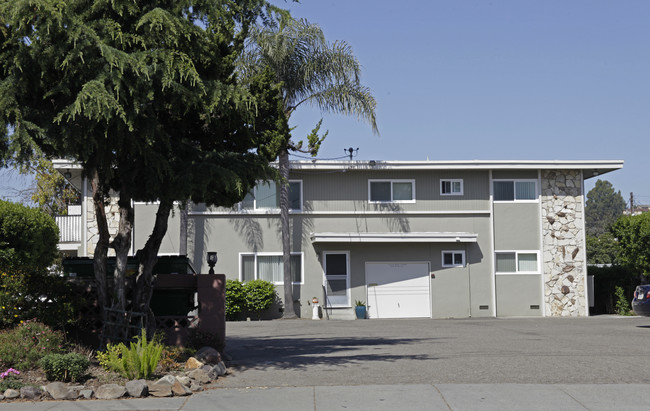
(490, 80)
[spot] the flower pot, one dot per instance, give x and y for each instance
(360, 310)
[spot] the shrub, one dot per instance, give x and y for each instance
(24, 345)
(64, 367)
(260, 295)
(622, 305)
(235, 299)
(28, 237)
(138, 361)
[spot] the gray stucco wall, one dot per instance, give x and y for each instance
(516, 293)
(516, 226)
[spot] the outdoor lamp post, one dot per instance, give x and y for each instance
(212, 260)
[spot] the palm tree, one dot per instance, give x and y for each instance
(312, 71)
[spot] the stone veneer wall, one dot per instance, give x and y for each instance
(113, 217)
(564, 261)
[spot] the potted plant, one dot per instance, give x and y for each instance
(360, 309)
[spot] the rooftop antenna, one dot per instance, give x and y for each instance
(351, 152)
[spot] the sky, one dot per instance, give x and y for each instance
(492, 80)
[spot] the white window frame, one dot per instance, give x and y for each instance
(347, 303)
(453, 253)
(272, 254)
(514, 182)
(255, 209)
(391, 181)
(517, 253)
(452, 181)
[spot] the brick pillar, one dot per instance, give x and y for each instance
(212, 306)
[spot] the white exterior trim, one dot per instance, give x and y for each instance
(356, 237)
(452, 181)
(517, 253)
(272, 254)
(452, 252)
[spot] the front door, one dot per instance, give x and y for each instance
(336, 265)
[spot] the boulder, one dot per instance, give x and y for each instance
(11, 394)
(185, 380)
(195, 387)
(110, 392)
(137, 388)
(199, 375)
(87, 394)
(60, 391)
(208, 355)
(192, 364)
(161, 388)
(31, 393)
(179, 390)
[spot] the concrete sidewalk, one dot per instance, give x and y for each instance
(456, 397)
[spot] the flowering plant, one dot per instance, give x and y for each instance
(9, 372)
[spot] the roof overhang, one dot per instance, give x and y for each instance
(427, 237)
(590, 168)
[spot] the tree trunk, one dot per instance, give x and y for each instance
(289, 309)
(122, 246)
(101, 248)
(147, 258)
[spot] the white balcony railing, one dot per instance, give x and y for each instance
(69, 228)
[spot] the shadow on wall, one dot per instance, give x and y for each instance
(299, 353)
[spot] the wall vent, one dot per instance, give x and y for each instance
(483, 307)
(534, 307)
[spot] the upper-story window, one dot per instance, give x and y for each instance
(453, 258)
(391, 191)
(515, 190)
(451, 187)
(266, 196)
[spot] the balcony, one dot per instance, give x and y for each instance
(69, 228)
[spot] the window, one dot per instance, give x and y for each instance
(391, 191)
(515, 190)
(337, 266)
(453, 258)
(269, 267)
(517, 262)
(266, 196)
(451, 187)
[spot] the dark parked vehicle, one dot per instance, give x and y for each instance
(641, 302)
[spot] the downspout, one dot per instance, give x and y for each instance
(84, 217)
(541, 243)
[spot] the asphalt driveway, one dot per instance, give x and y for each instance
(301, 353)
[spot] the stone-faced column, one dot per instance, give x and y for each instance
(564, 262)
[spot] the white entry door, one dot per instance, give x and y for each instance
(398, 290)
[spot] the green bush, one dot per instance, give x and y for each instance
(235, 299)
(260, 295)
(64, 367)
(622, 305)
(28, 237)
(36, 294)
(137, 361)
(24, 345)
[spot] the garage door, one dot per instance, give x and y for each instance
(398, 290)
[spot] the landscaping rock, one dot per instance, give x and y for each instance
(160, 389)
(179, 390)
(208, 355)
(60, 391)
(137, 388)
(31, 393)
(87, 394)
(185, 380)
(167, 379)
(11, 394)
(192, 364)
(2, 397)
(110, 392)
(195, 387)
(199, 375)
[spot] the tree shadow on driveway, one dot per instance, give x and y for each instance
(296, 353)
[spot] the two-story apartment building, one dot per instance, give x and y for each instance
(412, 239)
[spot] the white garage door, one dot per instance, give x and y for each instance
(398, 290)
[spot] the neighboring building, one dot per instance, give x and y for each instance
(412, 239)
